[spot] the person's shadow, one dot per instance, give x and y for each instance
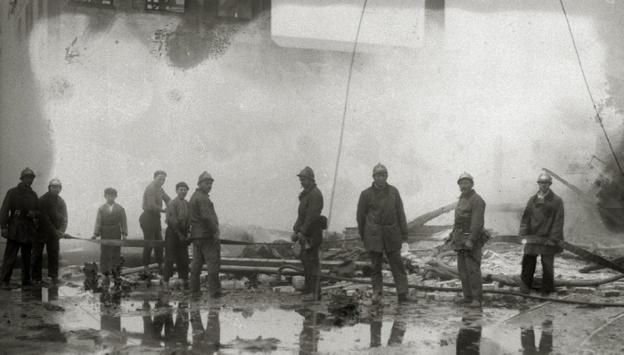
(527, 339)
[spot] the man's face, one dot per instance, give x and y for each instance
(380, 179)
(206, 185)
(55, 189)
(182, 191)
(160, 179)
(305, 182)
(28, 180)
(110, 198)
(544, 186)
(465, 185)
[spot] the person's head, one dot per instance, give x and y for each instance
(465, 182)
(110, 195)
(55, 186)
(380, 175)
(306, 177)
(160, 177)
(182, 189)
(544, 181)
(205, 182)
(27, 176)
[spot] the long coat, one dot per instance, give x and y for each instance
(20, 214)
(204, 220)
(469, 221)
(381, 219)
(309, 215)
(53, 215)
(543, 221)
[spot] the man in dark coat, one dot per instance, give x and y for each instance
(19, 222)
(53, 223)
(542, 227)
(205, 237)
(153, 199)
(467, 238)
(176, 247)
(308, 231)
(383, 229)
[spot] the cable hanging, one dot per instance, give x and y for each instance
(591, 97)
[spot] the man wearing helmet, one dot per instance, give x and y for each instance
(52, 228)
(542, 227)
(467, 238)
(383, 228)
(19, 222)
(205, 237)
(308, 231)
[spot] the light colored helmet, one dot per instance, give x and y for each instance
(544, 177)
(379, 169)
(307, 172)
(204, 176)
(465, 176)
(55, 182)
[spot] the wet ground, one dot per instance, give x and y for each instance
(153, 320)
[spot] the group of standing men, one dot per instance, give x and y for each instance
(28, 222)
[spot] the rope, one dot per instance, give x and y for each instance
(459, 289)
(341, 139)
(591, 97)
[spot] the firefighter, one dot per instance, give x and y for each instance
(19, 223)
(111, 223)
(308, 231)
(467, 238)
(383, 229)
(176, 247)
(153, 198)
(205, 237)
(52, 228)
(542, 229)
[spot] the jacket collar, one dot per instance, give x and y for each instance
(377, 188)
(307, 190)
(467, 194)
(549, 195)
(23, 186)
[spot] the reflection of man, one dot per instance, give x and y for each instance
(542, 224)
(469, 336)
(527, 339)
(310, 333)
(207, 339)
(396, 333)
(109, 321)
(175, 333)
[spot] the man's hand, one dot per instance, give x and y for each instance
(469, 244)
(404, 249)
(123, 236)
(552, 243)
(294, 237)
(94, 236)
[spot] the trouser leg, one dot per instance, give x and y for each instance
(548, 267)
(9, 259)
(25, 250)
(462, 269)
(37, 260)
(376, 276)
(182, 261)
(53, 250)
(213, 261)
(528, 269)
(198, 262)
(170, 253)
(473, 265)
(398, 271)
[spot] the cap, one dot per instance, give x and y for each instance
(204, 176)
(55, 182)
(307, 172)
(465, 176)
(379, 169)
(27, 172)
